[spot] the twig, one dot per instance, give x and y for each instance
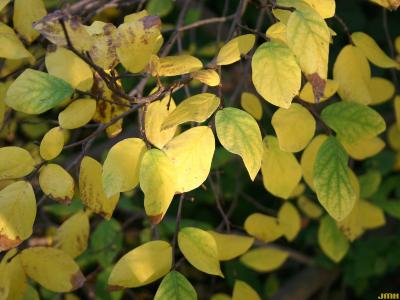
(177, 228)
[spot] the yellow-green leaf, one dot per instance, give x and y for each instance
(309, 208)
(175, 286)
(72, 236)
(239, 133)
(277, 31)
(17, 214)
(331, 240)
(276, 75)
(3, 3)
(15, 274)
(294, 127)
(264, 259)
(157, 170)
(77, 114)
(35, 92)
(197, 108)
(52, 268)
(15, 162)
(57, 183)
(92, 191)
(372, 51)
(353, 121)
(352, 72)
(26, 12)
(200, 249)
(52, 143)
(231, 246)
(252, 105)
(11, 46)
(290, 220)
(363, 148)
(332, 180)
(191, 153)
(232, 50)
(280, 170)
(306, 27)
(241, 291)
(65, 64)
(122, 165)
(142, 265)
(263, 227)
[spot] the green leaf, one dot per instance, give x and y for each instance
(332, 180)
(353, 121)
(35, 92)
(106, 242)
(159, 7)
(175, 286)
(331, 240)
(276, 74)
(239, 133)
(369, 183)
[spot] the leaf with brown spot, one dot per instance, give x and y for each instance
(318, 85)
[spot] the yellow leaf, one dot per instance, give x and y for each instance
(220, 296)
(157, 170)
(277, 31)
(17, 279)
(52, 269)
(276, 74)
(121, 167)
(241, 291)
(157, 112)
(26, 12)
(309, 208)
(308, 159)
(57, 183)
(298, 190)
(3, 107)
(11, 46)
(104, 38)
(352, 72)
(50, 27)
(142, 265)
(64, 64)
(326, 8)
(264, 259)
(231, 246)
(200, 249)
(393, 136)
(15, 162)
(396, 111)
(177, 65)
(389, 4)
(280, 170)
(363, 148)
(72, 236)
(197, 108)
(306, 27)
(3, 3)
(263, 227)
(92, 191)
(252, 105)
(381, 90)
(397, 44)
(207, 76)
(52, 143)
(372, 51)
(191, 153)
(240, 134)
(135, 16)
(290, 221)
(232, 50)
(307, 93)
(77, 114)
(295, 127)
(138, 40)
(17, 214)
(331, 240)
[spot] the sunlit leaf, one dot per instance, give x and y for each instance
(207, 76)
(232, 50)
(57, 183)
(263, 227)
(252, 105)
(231, 246)
(264, 259)
(26, 12)
(15, 162)
(290, 221)
(241, 290)
(77, 114)
(11, 46)
(52, 143)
